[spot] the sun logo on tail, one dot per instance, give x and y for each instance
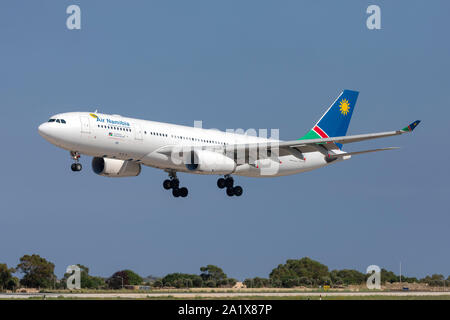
(344, 107)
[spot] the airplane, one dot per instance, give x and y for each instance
(121, 145)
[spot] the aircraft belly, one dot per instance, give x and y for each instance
(288, 165)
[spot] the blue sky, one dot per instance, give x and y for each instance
(231, 64)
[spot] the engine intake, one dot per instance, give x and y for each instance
(115, 167)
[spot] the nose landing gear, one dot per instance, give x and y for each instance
(174, 184)
(228, 183)
(76, 157)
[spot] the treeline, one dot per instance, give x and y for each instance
(310, 273)
(37, 272)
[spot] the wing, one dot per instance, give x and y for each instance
(298, 147)
(327, 146)
(354, 138)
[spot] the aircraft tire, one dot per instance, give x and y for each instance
(174, 183)
(183, 192)
(167, 184)
(229, 182)
(221, 183)
(237, 191)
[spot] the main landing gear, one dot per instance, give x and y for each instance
(228, 183)
(174, 184)
(76, 157)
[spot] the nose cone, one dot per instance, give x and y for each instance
(44, 130)
(48, 131)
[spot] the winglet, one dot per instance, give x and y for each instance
(411, 127)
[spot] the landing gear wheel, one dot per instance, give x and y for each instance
(230, 192)
(237, 191)
(229, 182)
(183, 192)
(76, 167)
(221, 183)
(167, 184)
(174, 183)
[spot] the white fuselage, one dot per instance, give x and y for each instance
(117, 137)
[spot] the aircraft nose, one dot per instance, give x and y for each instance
(43, 129)
(48, 131)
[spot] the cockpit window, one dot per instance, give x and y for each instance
(58, 120)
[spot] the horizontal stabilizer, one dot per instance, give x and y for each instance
(341, 155)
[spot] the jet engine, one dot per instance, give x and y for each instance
(209, 162)
(115, 168)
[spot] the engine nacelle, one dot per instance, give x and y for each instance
(115, 168)
(209, 162)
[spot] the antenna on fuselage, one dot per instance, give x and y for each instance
(96, 110)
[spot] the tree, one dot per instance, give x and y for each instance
(290, 272)
(86, 280)
(227, 283)
(347, 277)
(7, 281)
(182, 280)
(257, 282)
(38, 272)
(157, 284)
(125, 277)
(133, 278)
(435, 280)
(212, 272)
(389, 276)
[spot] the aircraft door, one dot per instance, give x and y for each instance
(85, 125)
(137, 132)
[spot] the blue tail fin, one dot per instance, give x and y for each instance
(334, 123)
(337, 118)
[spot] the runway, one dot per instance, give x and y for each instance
(219, 295)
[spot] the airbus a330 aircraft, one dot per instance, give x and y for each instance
(121, 145)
